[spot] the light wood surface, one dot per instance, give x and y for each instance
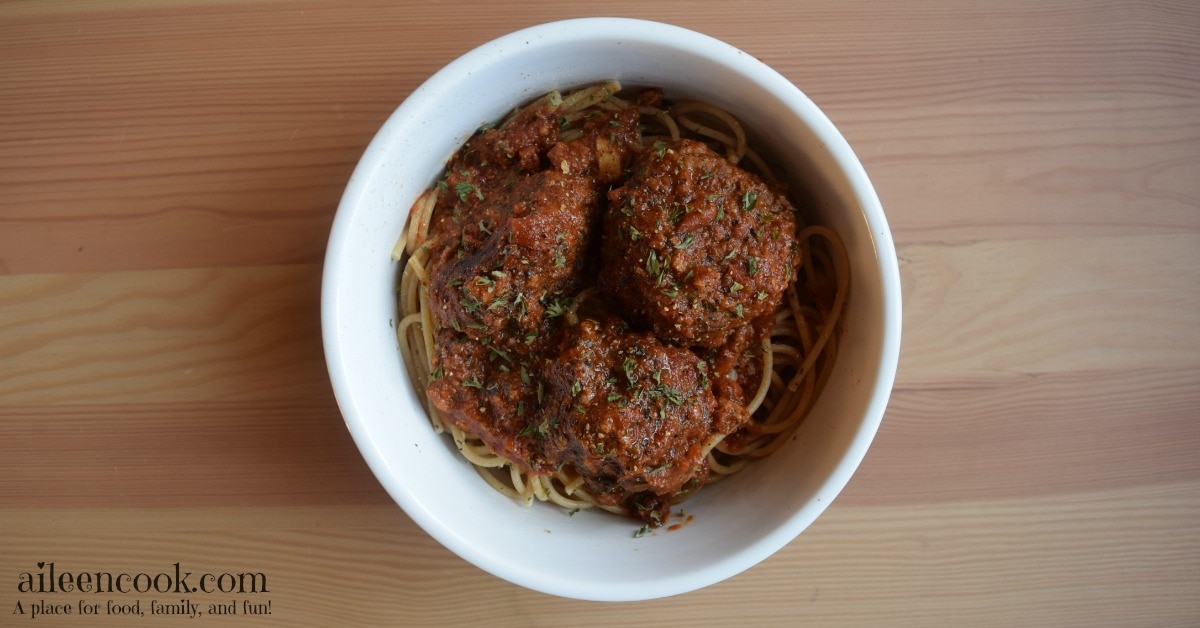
(169, 171)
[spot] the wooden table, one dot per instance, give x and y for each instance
(169, 171)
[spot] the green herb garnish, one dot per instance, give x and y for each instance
(749, 200)
(465, 189)
(557, 308)
(686, 242)
(653, 265)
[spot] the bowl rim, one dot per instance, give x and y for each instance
(689, 42)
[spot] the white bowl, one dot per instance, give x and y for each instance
(594, 555)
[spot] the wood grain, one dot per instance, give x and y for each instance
(1001, 307)
(169, 172)
(993, 562)
(213, 334)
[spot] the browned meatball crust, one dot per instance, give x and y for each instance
(631, 414)
(531, 257)
(694, 247)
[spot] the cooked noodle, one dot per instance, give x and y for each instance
(798, 353)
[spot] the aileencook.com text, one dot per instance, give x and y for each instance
(176, 580)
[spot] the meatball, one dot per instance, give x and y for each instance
(694, 247)
(488, 165)
(488, 394)
(632, 415)
(529, 260)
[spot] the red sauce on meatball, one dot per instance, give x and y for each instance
(681, 249)
(694, 246)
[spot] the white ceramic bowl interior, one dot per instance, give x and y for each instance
(593, 555)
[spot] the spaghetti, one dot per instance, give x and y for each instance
(771, 368)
